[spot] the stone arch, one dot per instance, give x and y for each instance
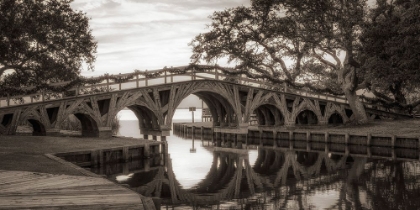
(221, 98)
(90, 127)
(306, 112)
(146, 117)
(306, 158)
(306, 117)
(220, 108)
(38, 128)
(84, 113)
(33, 121)
(335, 119)
(269, 115)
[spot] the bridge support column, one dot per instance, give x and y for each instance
(289, 123)
(23, 130)
(104, 132)
(322, 122)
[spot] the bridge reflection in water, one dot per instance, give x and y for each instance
(282, 178)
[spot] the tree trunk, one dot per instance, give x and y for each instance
(356, 106)
(348, 79)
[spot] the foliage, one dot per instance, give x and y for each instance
(265, 41)
(293, 42)
(392, 54)
(43, 42)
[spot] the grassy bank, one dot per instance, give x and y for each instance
(27, 153)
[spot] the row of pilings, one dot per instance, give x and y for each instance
(369, 144)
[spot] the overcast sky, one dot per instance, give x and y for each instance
(147, 34)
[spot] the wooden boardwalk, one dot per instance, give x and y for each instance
(30, 190)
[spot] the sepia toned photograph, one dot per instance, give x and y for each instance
(210, 104)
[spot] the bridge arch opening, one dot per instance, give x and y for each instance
(335, 119)
(38, 128)
(268, 115)
(128, 124)
(306, 117)
(221, 111)
(89, 125)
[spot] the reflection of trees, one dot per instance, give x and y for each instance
(393, 185)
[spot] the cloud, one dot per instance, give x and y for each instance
(147, 34)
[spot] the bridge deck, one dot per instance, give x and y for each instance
(21, 189)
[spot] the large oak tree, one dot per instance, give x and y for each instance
(391, 48)
(290, 41)
(43, 41)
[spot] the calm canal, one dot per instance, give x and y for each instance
(197, 176)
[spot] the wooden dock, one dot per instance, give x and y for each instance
(31, 190)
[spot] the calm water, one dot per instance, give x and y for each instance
(267, 178)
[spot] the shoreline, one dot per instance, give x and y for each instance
(403, 127)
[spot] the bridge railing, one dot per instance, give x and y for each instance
(157, 77)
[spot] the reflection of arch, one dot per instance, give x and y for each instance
(89, 125)
(230, 176)
(306, 158)
(306, 117)
(335, 119)
(38, 128)
(237, 179)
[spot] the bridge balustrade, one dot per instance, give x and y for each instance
(161, 76)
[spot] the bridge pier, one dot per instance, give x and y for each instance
(53, 132)
(104, 132)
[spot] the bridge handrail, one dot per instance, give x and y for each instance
(168, 75)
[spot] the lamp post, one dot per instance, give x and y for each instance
(192, 109)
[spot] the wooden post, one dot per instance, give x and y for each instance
(393, 141)
(346, 138)
(308, 141)
(327, 137)
(369, 139)
(126, 155)
(308, 136)
(137, 80)
(368, 152)
(274, 139)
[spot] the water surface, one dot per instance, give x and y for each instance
(272, 178)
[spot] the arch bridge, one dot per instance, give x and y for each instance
(233, 100)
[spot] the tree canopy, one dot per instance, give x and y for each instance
(391, 47)
(327, 46)
(43, 41)
(297, 42)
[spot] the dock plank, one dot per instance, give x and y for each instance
(29, 190)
